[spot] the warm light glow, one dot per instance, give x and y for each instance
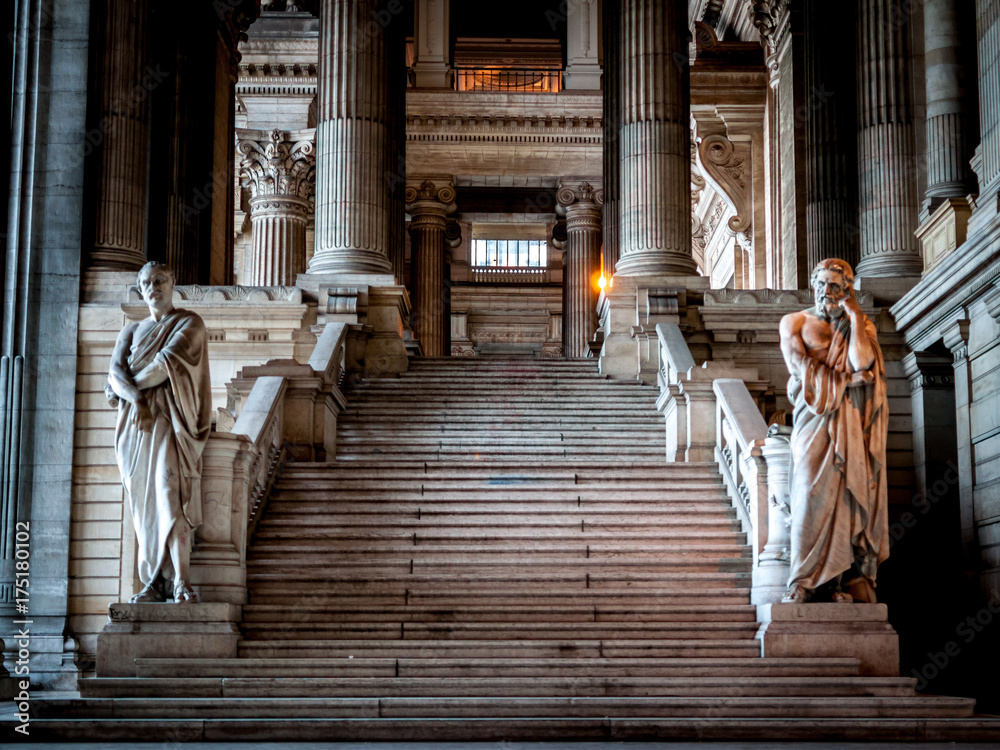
(602, 282)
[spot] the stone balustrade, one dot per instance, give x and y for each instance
(711, 414)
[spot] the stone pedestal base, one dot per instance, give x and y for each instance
(165, 631)
(861, 631)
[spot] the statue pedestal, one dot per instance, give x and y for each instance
(861, 631)
(165, 631)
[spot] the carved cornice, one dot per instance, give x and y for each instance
(786, 297)
(771, 17)
(282, 165)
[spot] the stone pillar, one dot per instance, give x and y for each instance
(831, 135)
(956, 338)
(352, 198)
(582, 205)
(431, 67)
(428, 206)
(948, 171)
(583, 71)
(886, 145)
(988, 33)
(119, 221)
(279, 173)
(612, 158)
(655, 210)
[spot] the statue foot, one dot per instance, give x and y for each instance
(149, 594)
(841, 596)
(183, 594)
(796, 595)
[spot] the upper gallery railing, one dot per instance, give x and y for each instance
(538, 80)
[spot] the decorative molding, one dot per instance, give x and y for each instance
(571, 193)
(797, 297)
(921, 381)
(345, 300)
(662, 302)
(730, 172)
(430, 190)
(195, 293)
(283, 165)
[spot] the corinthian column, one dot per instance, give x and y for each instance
(278, 170)
(831, 135)
(988, 33)
(655, 152)
(119, 228)
(428, 205)
(611, 15)
(352, 131)
(582, 205)
(886, 145)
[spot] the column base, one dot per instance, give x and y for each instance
(340, 262)
(861, 631)
(165, 631)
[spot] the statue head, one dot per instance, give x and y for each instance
(831, 281)
(156, 283)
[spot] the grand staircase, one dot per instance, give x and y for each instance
(500, 552)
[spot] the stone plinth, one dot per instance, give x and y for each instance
(842, 630)
(165, 631)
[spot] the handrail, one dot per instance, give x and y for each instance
(261, 420)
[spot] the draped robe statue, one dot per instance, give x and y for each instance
(838, 490)
(159, 381)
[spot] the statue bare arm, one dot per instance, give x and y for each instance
(859, 352)
(152, 374)
(118, 375)
(793, 348)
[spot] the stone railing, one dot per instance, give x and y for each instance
(510, 275)
(711, 415)
(282, 408)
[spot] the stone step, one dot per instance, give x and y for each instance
(464, 612)
(593, 469)
(540, 552)
(485, 455)
(440, 521)
(313, 595)
(196, 683)
(608, 668)
(370, 502)
(283, 628)
(493, 537)
(712, 726)
(263, 580)
(502, 649)
(514, 707)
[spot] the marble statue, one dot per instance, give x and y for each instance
(159, 382)
(839, 524)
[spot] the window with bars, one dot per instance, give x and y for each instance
(509, 254)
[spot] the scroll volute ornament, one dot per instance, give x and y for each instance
(729, 174)
(428, 191)
(584, 193)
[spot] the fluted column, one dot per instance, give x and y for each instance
(611, 15)
(582, 205)
(119, 227)
(948, 171)
(886, 145)
(988, 32)
(831, 134)
(655, 113)
(278, 169)
(429, 204)
(352, 132)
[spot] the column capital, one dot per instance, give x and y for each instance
(430, 196)
(277, 163)
(576, 191)
(926, 370)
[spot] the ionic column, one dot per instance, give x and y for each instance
(655, 207)
(278, 169)
(831, 135)
(119, 228)
(428, 205)
(886, 145)
(583, 71)
(948, 171)
(582, 205)
(352, 197)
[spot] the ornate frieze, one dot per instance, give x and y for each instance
(195, 293)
